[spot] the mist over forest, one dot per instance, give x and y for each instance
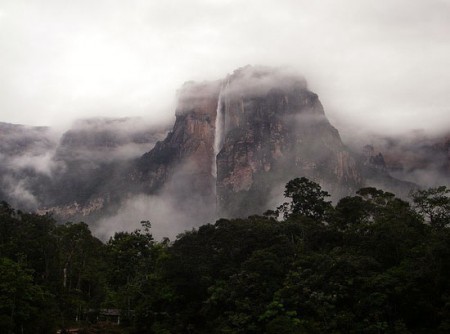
(93, 155)
(370, 263)
(224, 166)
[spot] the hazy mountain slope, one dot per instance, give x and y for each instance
(234, 144)
(237, 141)
(41, 169)
(416, 157)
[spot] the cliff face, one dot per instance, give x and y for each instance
(414, 157)
(182, 163)
(235, 143)
(275, 129)
(73, 174)
(238, 140)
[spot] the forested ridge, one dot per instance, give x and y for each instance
(372, 263)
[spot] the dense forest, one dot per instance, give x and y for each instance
(372, 263)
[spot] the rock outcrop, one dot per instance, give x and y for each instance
(275, 129)
(414, 157)
(184, 158)
(70, 174)
(235, 143)
(239, 140)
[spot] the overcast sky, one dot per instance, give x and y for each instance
(380, 65)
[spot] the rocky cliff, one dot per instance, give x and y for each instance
(239, 140)
(186, 154)
(234, 145)
(416, 157)
(75, 173)
(275, 129)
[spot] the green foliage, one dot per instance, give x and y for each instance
(307, 199)
(434, 204)
(372, 264)
(62, 262)
(21, 301)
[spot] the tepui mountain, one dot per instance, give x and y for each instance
(234, 145)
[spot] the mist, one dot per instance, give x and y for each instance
(172, 210)
(38, 165)
(417, 156)
(380, 66)
(109, 139)
(167, 218)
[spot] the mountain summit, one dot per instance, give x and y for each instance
(237, 141)
(234, 145)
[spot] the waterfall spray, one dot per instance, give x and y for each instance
(219, 132)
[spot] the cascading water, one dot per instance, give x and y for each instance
(219, 132)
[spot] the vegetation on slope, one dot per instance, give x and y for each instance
(370, 264)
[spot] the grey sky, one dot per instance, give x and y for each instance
(379, 65)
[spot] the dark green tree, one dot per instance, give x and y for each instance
(130, 262)
(434, 205)
(80, 273)
(23, 304)
(307, 199)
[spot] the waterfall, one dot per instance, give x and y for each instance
(219, 132)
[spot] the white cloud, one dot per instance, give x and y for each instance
(380, 65)
(42, 163)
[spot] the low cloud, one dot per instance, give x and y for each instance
(184, 202)
(418, 157)
(41, 164)
(108, 139)
(19, 193)
(37, 163)
(168, 217)
(258, 80)
(375, 65)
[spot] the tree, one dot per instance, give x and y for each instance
(350, 212)
(130, 261)
(22, 303)
(307, 199)
(434, 205)
(78, 277)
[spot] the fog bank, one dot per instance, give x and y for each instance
(380, 66)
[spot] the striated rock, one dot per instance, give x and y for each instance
(240, 138)
(181, 164)
(275, 130)
(235, 143)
